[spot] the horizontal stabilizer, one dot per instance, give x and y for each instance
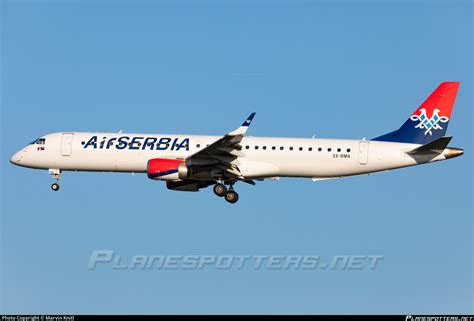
(435, 147)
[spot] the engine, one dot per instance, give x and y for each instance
(166, 169)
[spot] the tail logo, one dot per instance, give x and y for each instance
(429, 123)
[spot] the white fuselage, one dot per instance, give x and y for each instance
(264, 156)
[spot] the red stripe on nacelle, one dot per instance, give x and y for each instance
(157, 166)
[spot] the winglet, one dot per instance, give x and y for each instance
(243, 128)
(248, 121)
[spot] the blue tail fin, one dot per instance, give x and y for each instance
(430, 121)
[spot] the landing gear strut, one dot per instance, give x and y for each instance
(56, 173)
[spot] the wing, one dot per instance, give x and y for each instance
(222, 155)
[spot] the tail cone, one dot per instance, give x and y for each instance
(453, 152)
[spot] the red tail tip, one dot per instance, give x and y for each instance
(442, 99)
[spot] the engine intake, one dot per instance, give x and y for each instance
(166, 169)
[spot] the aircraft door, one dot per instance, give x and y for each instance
(363, 153)
(66, 144)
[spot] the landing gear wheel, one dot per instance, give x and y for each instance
(55, 187)
(231, 197)
(56, 173)
(220, 189)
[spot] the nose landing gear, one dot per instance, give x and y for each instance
(56, 173)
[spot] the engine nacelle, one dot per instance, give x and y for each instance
(166, 169)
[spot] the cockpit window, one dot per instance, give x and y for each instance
(39, 141)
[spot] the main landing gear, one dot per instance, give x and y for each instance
(229, 195)
(220, 189)
(56, 173)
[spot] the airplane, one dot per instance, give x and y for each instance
(191, 162)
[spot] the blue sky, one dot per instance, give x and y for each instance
(330, 69)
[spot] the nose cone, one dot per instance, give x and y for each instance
(453, 152)
(16, 158)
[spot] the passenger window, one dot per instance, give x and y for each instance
(198, 145)
(348, 150)
(320, 149)
(329, 149)
(273, 147)
(247, 147)
(301, 148)
(338, 150)
(256, 147)
(264, 147)
(291, 148)
(310, 149)
(282, 148)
